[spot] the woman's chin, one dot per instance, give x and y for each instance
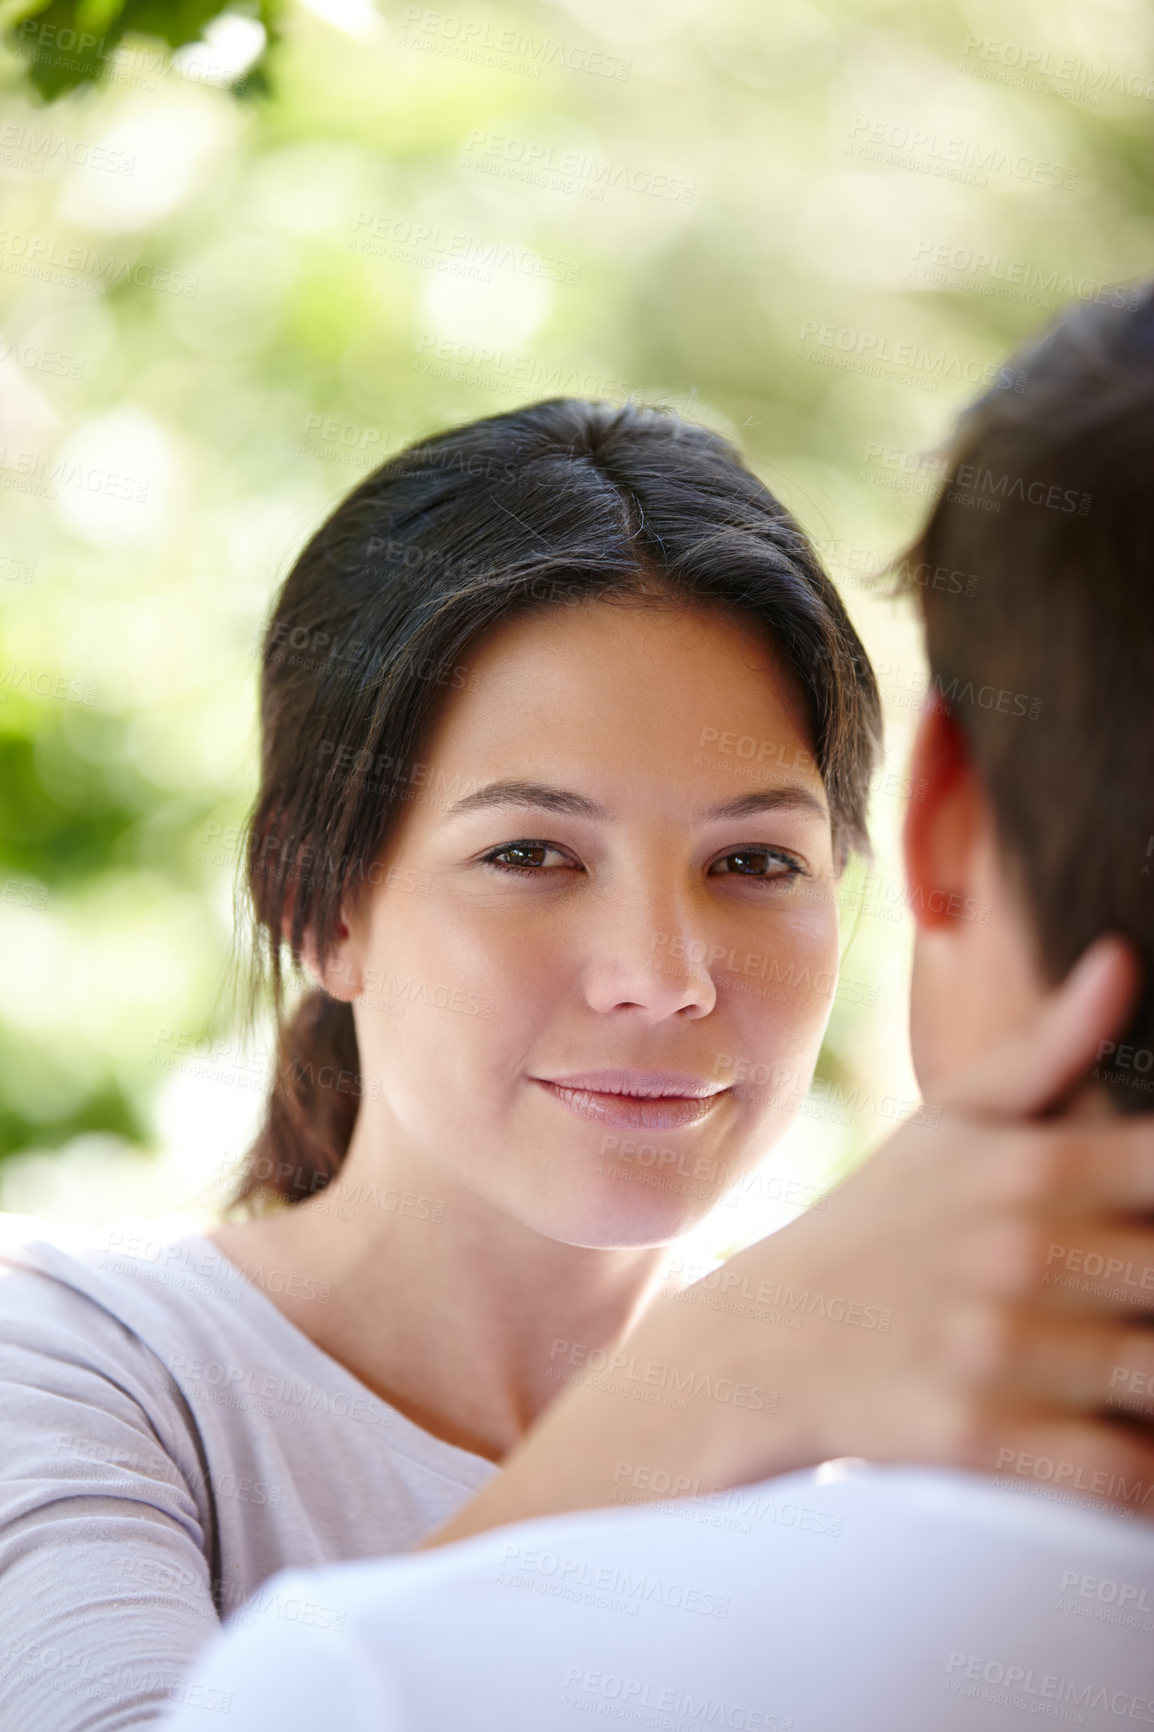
(608, 1219)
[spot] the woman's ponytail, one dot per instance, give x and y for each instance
(312, 1105)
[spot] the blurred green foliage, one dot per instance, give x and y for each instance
(69, 43)
(818, 227)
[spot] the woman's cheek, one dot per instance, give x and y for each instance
(792, 953)
(782, 998)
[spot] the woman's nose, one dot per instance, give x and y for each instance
(651, 965)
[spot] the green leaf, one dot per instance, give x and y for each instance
(69, 43)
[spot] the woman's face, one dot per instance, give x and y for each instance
(593, 976)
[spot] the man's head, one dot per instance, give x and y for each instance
(1037, 750)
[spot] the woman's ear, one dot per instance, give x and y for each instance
(342, 975)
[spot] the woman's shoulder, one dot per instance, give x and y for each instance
(122, 1271)
(131, 1330)
(86, 1403)
(184, 1330)
(78, 1313)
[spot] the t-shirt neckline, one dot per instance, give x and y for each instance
(405, 1430)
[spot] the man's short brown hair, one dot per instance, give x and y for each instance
(1045, 654)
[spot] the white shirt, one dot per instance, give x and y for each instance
(843, 1599)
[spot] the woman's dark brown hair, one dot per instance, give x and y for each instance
(1034, 575)
(556, 504)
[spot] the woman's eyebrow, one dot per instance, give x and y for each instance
(791, 796)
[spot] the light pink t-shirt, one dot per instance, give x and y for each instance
(168, 1441)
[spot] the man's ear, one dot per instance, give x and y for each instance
(342, 976)
(945, 820)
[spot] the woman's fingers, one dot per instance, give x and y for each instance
(1036, 1358)
(1082, 1461)
(1080, 1166)
(1094, 1266)
(1069, 1265)
(1102, 1165)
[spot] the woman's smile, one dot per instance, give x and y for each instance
(654, 1100)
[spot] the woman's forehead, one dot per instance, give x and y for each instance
(633, 663)
(617, 704)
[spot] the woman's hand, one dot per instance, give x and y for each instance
(976, 1295)
(979, 1293)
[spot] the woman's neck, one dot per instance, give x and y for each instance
(464, 1319)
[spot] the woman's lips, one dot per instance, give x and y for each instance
(652, 1112)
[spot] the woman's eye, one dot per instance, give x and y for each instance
(763, 864)
(530, 858)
